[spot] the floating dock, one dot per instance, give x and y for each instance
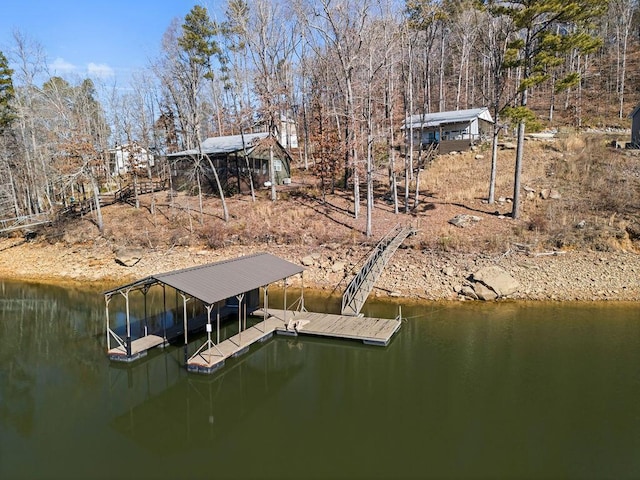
(220, 288)
(139, 348)
(371, 331)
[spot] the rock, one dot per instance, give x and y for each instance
(483, 292)
(581, 224)
(467, 291)
(128, 257)
(554, 195)
(507, 146)
(544, 193)
(307, 261)
(497, 279)
(338, 267)
(448, 271)
(464, 220)
(479, 156)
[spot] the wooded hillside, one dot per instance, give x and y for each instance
(346, 72)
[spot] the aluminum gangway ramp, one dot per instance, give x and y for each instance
(361, 285)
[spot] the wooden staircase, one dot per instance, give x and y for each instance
(361, 285)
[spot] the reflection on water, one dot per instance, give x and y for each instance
(504, 390)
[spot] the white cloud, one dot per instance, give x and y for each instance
(61, 66)
(100, 70)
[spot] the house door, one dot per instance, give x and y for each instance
(278, 173)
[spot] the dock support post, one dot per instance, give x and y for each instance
(184, 319)
(266, 308)
(240, 298)
(107, 299)
(209, 307)
(128, 338)
(286, 324)
(164, 312)
(218, 325)
(145, 290)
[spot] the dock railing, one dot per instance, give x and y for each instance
(361, 285)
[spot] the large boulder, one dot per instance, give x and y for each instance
(128, 257)
(497, 279)
(483, 292)
(463, 220)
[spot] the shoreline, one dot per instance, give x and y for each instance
(411, 275)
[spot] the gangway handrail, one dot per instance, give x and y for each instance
(372, 269)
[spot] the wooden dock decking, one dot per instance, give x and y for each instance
(139, 348)
(210, 359)
(372, 331)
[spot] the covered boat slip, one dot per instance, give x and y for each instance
(221, 288)
(230, 287)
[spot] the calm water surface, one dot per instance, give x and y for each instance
(463, 391)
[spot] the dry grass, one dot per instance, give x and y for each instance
(598, 208)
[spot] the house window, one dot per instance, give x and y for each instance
(277, 165)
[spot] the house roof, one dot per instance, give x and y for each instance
(213, 282)
(447, 118)
(225, 144)
(635, 111)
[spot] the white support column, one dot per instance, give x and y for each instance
(286, 324)
(185, 323)
(240, 298)
(266, 307)
(125, 294)
(209, 307)
(218, 328)
(107, 299)
(302, 308)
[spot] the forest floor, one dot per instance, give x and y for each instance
(577, 238)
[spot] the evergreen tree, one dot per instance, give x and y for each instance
(546, 30)
(7, 93)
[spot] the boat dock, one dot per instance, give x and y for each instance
(371, 331)
(215, 291)
(139, 348)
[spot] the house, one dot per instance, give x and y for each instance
(125, 158)
(454, 130)
(635, 128)
(285, 131)
(234, 158)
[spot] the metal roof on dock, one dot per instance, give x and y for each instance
(218, 281)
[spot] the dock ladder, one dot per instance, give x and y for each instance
(361, 285)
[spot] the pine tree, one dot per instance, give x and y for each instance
(7, 93)
(538, 49)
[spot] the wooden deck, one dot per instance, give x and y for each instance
(372, 331)
(139, 348)
(212, 358)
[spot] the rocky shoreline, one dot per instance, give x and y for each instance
(411, 274)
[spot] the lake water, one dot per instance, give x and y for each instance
(506, 390)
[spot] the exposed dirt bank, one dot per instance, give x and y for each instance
(570, 276)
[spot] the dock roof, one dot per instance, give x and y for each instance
(213, 282)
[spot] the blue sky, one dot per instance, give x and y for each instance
(101, 39)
